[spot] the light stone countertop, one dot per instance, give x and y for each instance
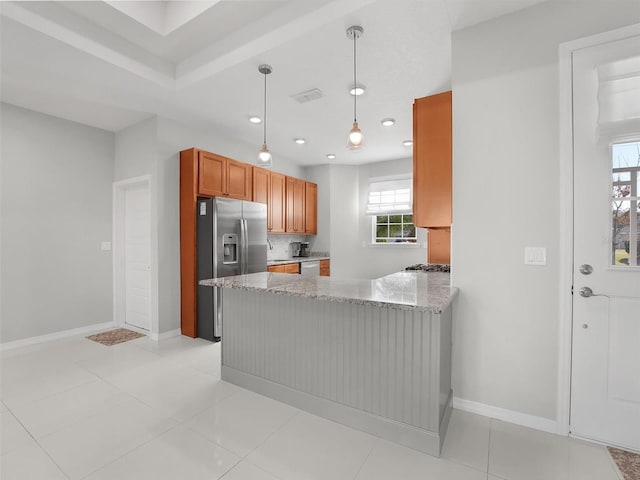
(283, 261)
(422, 291)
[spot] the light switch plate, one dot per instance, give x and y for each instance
(535, 256)
(105, 246)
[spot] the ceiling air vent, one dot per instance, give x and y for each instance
(308, 96)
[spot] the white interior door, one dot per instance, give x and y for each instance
(137, 256)
(605, 377)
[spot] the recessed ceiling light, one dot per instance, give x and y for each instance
(387, 122)
(358, 90)
(255, 119)
(331, 156)
(300, 141)
(407, 143)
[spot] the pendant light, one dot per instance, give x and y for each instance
(264, 157)
(355, 138)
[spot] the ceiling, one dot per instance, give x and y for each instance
(112, 64)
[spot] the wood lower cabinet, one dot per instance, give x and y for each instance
(325, 268)
(219, 176)
(295, 194)
(284, 268)
(310, 208)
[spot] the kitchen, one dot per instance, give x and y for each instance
(493, 327)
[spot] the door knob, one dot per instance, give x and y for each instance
(586, 269)
(587, 292)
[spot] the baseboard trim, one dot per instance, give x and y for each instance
(518, 418)
(164, 335)
(55, 336)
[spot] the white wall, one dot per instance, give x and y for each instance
(153, 147)
(344, 230)
(379, 260)
(505, 197)
(55, 204)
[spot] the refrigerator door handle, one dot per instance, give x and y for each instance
(217, 327)
(244, 253)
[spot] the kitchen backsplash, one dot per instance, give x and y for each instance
(281, 248)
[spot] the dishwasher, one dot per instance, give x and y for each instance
(310, 269)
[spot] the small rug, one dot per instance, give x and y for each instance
(628, 463)
(113, 337)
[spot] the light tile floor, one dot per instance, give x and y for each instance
(75, 409)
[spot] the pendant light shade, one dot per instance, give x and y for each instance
(264, 156)
(355, 139)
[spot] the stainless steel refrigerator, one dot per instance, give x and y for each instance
(231, 240)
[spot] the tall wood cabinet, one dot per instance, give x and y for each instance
(310, 208)
(269, 188)
(432, 172)
(295, 192)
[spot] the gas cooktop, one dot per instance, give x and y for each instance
(432, 267)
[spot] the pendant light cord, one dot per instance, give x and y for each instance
(264, 130)
(355, 93)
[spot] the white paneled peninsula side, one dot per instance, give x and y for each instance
(371, 354)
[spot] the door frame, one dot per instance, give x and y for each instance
(566, 212)
(119, 307)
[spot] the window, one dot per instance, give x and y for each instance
(625, 218)
(390, 204)
(397, 228)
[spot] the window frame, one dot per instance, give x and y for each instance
(411, 242)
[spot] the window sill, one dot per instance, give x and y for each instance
(397, 245)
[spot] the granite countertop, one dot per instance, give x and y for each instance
(421, 291)
(311, 258)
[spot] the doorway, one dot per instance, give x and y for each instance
(132, 254)
(605, 305)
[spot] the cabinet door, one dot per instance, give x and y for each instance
(261, 185)
(239, 180)
(276, 206)
(325, 268)
(276, 268)
(295, 205)
(432, 161)
(292, 268)
(311, 208)
(212, 175)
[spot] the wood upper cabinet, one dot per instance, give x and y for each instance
(212, 177)
(219, 176)
(295, 194)
(277, 202)
(261, 186)
(311, 208)
(269, 188)
(432, 146)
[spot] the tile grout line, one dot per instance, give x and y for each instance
(489, 447)
(35, 440)
(373, 445)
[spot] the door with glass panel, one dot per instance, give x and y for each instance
(605, 383)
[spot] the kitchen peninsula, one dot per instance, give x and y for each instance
(371, 354)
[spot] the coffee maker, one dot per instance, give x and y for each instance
(300, 249)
